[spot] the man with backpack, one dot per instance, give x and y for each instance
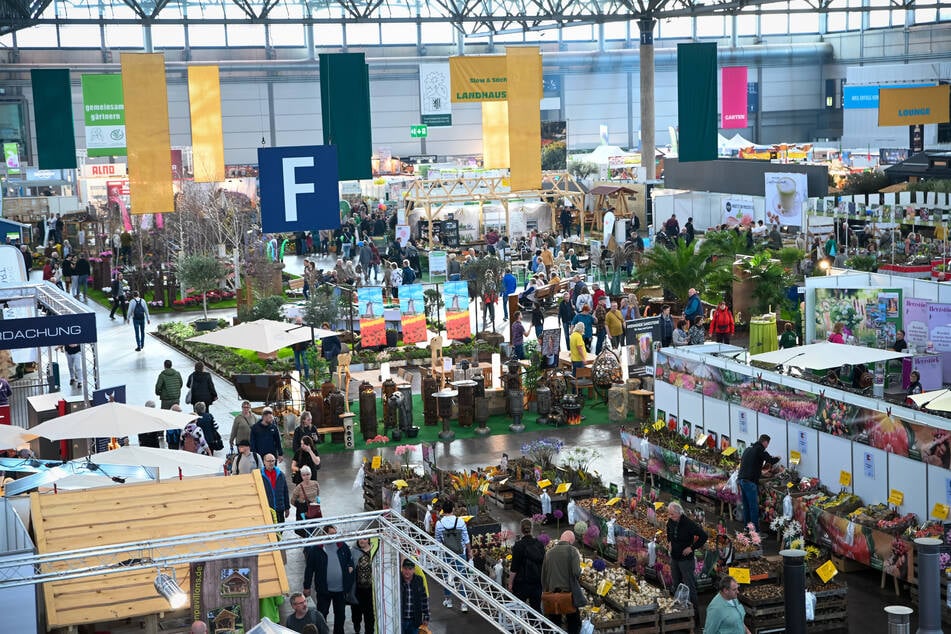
(452, 533)
(245, 461)
(140, 316)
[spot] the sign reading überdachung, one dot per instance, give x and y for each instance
(299, 188)
(41, 332)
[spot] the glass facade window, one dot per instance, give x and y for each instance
(80, 36)
(328, 34)
(245, 35)
(437, 33)
(287, 35)
(365, 34)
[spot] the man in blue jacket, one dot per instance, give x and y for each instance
(265, 436)
(329, 570)
(275, 486)
(693, 309)
(509, 284)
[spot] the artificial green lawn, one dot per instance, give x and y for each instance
(498, 424)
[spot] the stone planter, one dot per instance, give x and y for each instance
(204, 325)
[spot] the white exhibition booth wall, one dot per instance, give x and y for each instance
(875, 472)
(706, 208)
(523, 216)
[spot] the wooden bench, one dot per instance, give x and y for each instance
(329, 430)
(295, 286)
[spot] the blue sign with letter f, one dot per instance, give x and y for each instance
(299, 188)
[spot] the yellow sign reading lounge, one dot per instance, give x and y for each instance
(477, 78)
(913, 106)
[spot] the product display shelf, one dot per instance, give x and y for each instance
(680, 621)
(768, 614)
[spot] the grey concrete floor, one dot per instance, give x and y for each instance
(121, 364)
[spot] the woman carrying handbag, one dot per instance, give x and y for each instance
(305, 499)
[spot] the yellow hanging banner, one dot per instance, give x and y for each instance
(204, 102)
(478, 78)
(495, 135)
(147, 133)
(913, 106)
(524, 65)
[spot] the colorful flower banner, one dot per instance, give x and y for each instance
(372, 323)
(457, 310)
(412, 313)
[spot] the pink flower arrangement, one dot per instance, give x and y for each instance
(378, 440)
(404, 452)
(742, 541)
(754, 536)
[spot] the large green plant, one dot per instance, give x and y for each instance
(770, 281)
(865, 183)
(202, 273)
(684, 267)
(322, 307)
(726, 243)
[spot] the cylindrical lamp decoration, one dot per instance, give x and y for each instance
(429, 387)
(513, 377)
(326, 388)
(466, 402)
(516, 409)
(572, 409)
(368, 422)
(794, 590)
(407, 406)
(384, 370)
(482, 415)
(315, 405)
(444, 405)
(929, 585)
(347, 421)
(543, 404)
(338, 406)
(899, 619)
(480, 384)
(389, 416)
(496, 370)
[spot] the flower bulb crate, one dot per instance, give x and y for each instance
(679, 621)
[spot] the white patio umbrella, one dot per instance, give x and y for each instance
(11, 436)
(263, 335)
(935, 400)
(167, 461)
(112, 420)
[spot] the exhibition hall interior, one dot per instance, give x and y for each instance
(402, 318)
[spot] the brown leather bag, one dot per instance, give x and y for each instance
(557, 603)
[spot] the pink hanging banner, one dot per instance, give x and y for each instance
(733, 97)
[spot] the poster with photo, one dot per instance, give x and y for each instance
(739, 211)
(372, 323)
(438, 263)
(457, 310)
(640, 335)
(551, 342)
(724, 442)
(872, 316)
(786, 194)
(412, 313)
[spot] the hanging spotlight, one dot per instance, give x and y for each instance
(167, 587)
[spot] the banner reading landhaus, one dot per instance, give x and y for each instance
(41, 332)
(479, 78)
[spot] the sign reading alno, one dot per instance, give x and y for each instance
(40, 332)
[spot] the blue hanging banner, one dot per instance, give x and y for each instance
(42, 332)
(299, 188)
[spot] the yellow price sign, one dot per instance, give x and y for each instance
(658, 425)
(729, 451)
(466, 518)
(563, 487)
(940, 511)
(658, 506)
(632, 581)
(742, 575)
(896, 497)
(399, 484)
(604, 587)
(595, 609)
(795, 457)
(845, 478)
(646, 431)
(376, 462)
(613, 501)
(544, 484)
(826, 571)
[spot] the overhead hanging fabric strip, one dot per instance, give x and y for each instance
(524, 68)
(204, 102)
(53, 113)
(345, 111)
(697, 101)
(495, 135)
(147, 131)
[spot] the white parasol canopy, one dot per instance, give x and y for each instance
(11, 436)
(825, 355)
(935, 400)
(112, 420)
(167, 461)
(267, 626)
(263, 335)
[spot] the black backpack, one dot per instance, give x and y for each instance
(139, 311)
(452, 538)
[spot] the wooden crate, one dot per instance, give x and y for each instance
(844, 564)
(681, 621)
(645, 623)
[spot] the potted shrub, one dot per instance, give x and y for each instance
(203, 273)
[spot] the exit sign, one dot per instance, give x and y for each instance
(418, 131)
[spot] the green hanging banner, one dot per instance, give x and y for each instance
(345, 111)
(53, 113)
(697, 101)
(104, 114)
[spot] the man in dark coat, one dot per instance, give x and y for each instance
(414, 602)
(525, 579)
(751, 466)
(685, 537)
(329, 571)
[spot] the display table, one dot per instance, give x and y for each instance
(763, 336)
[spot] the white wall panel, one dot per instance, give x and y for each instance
(907, 476)
(871, 488)
(775, 428)
(835, 456)
(691, 410)
(809, 467)
(716, 417)
(737, 415)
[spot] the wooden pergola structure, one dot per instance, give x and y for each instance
(610, 196)
(433, 195)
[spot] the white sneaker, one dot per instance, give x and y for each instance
(447, 603)
(464, 608)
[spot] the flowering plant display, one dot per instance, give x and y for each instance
(468, 486)
(404, 452)
(378, 440)
(543, 451)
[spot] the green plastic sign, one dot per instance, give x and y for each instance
(104, 115)
(418, 131)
